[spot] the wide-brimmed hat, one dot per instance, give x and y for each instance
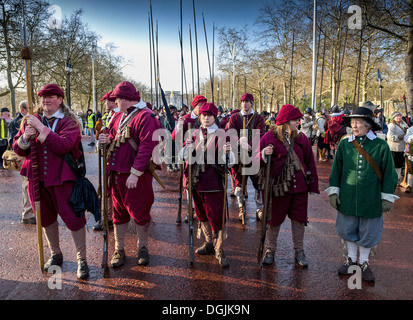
(369, 105)
(362, 113)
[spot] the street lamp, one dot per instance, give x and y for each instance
(69, 70)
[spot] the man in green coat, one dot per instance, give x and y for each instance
(360, 190)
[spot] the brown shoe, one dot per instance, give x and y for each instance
(143, 256)
(118, 258)
(205, 249)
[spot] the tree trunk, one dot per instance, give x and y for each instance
(9, 66)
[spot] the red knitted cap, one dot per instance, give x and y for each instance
(198, 99)
(108, 96)
(209, 108)
(247, 96)
(126, 90)
(51, 89)
(288, 112)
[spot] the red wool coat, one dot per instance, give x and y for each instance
(51, 146)
(295, 202)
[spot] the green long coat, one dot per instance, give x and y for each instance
(361, 192)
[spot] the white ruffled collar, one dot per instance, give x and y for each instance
(58, 114)
(369, 135)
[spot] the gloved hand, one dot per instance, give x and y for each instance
(386, 205)
(334, 200)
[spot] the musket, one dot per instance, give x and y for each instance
(26, 55)
(190, 214)
(181, 177)
(105, 207)
(224, 210)
(267, 195)
(244, 177)
(99, 191)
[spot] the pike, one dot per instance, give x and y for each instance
(267, 195)
(209, 62)
(190, 213)
(170, 120)
(196, 46)
(105, 208)
(26, 55)
(244, 178)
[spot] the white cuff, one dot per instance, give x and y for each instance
(23, 145)
(136, 172)
(231, 160)
(389, 197)
(332, 190)
(263, 156)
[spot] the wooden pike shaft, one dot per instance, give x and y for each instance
(244, 178)
(34, 155)
(105, 206)
(190, 213)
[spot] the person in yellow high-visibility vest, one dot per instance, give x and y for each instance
(91, 122)
(4, 124)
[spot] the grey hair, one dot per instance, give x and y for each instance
(24, 104)
(366, 123)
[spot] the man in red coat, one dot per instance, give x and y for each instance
(253, 121)
(57, 132)
(130, 152)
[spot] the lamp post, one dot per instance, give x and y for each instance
(69, 70)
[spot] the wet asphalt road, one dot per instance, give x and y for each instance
(169, 275)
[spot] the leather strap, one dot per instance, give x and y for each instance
(369, 159)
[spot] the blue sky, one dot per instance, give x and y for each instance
(125, 23)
